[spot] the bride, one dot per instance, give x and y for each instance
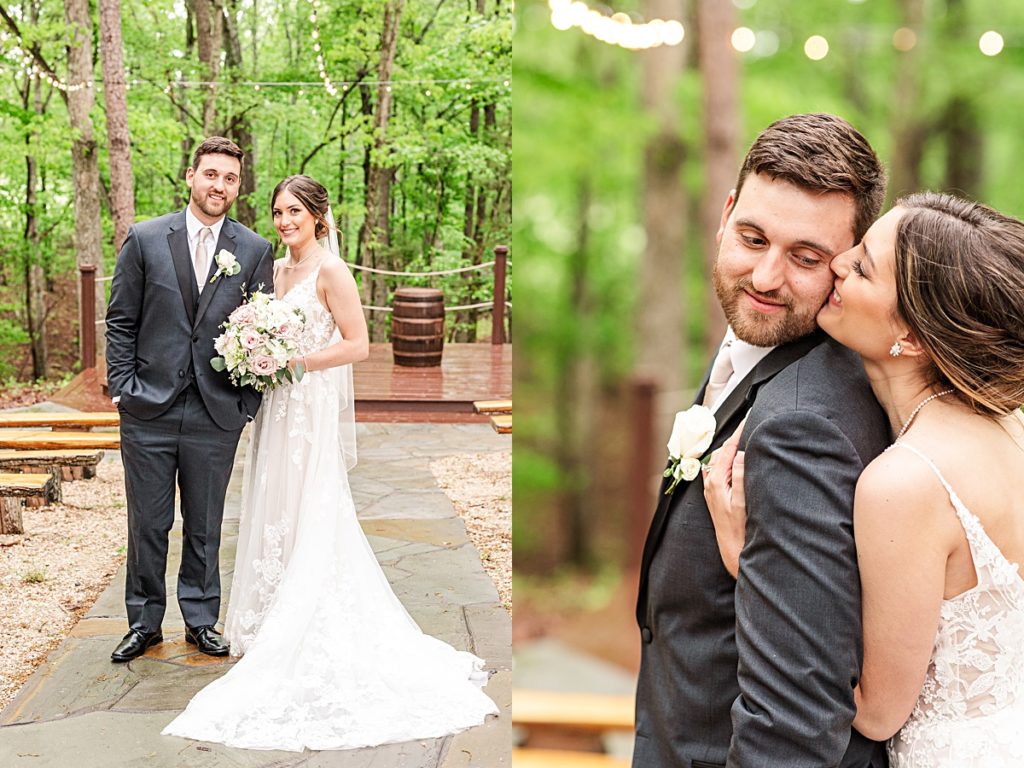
(932, 300)
(330, 658)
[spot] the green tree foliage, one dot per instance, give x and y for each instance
(943, 108)
(450, 57)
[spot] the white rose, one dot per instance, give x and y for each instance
(688, 468)
(225, 260)
(692, 433)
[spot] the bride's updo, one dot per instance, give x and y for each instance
(960, 288)
(313, 196)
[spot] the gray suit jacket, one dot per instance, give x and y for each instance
(160, 333)
(760, 672)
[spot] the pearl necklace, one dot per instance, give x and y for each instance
(297, 263)
(922, 404)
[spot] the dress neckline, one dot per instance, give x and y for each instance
(301, 282)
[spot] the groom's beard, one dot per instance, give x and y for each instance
(211, 208)
(755, 327)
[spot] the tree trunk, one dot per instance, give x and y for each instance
(122, 199)
(910, 127)
(209, 41)
(374, 234)
(241, 132)
(719, 73)
(35, 279)
(85, 166)
(661, 349)
(964, 146)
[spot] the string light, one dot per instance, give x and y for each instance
(816, 48)
(904, 39)
(321, 64)
(743, 39)
(29, 68)
(617, 29)
(991, 43)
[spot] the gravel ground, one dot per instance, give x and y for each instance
(51, 576)
(480, 487)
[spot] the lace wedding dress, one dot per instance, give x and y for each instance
(971, 709)
(331, 658)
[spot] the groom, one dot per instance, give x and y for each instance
(175, 283)
(760, 672)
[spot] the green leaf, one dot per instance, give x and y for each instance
(218, 364)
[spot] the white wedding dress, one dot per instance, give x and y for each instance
(971, 709)
(331, 658)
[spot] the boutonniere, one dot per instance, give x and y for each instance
(692, 433)
(227, 264)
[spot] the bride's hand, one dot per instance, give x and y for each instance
(723, 492)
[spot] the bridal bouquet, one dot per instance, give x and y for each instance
(259, 339)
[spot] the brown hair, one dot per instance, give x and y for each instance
(821, 153)
(313, 196)
(960, 288)
(217, 145)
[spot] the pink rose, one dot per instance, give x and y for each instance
(263, 365)
(244, 315)
(251, 339)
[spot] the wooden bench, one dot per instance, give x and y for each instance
(15, 489)
(54, 440)
(492, 406)
(71, 464)
(502, 423)
(24, 419)
(563, 758)
(580, 711)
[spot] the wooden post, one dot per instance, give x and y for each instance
(498, 320)
(10, 516)
(641, 500)
(87, 313)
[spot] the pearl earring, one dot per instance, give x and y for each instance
(896, 349)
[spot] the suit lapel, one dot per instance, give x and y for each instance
(727, 418)
(177, 240)
(226, 241)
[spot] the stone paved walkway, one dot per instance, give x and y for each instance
(81, 711)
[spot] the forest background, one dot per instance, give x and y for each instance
(624, 159)
(402, 109)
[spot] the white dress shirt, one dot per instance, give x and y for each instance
(744, 357)
(193, 225)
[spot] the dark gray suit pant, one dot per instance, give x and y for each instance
(183, 446)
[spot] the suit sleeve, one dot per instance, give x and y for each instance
(798, 611)
(123, 310)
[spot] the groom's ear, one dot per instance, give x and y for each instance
(730, 203)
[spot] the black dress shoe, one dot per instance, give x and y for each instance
(209, 640)
(134, 644)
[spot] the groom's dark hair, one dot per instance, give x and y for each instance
(820, 153)
(217, 145)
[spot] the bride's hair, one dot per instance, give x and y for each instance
(960, 288)
(313, 196)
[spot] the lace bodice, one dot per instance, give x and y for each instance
(319, 328)
(972, 704)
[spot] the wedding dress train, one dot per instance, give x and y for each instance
(332, 660)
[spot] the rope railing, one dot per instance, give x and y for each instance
(472, 268)
(499, 304)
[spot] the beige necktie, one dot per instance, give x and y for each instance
(203, 256)
(721, 372)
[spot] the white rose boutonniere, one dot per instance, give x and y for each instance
(692, 433)
(227, 264)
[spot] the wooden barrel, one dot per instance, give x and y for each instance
(417, 326)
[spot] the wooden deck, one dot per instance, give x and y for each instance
(384, 391)
(468, 372)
